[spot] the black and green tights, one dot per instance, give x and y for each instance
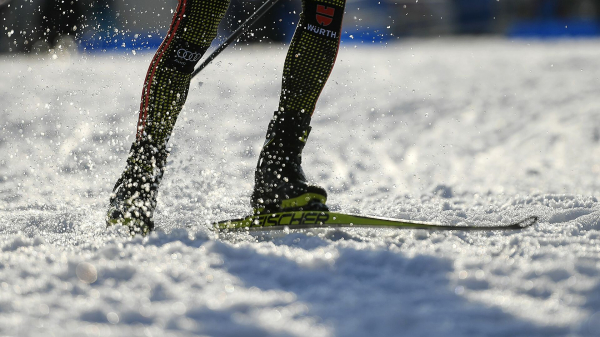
(308, 63)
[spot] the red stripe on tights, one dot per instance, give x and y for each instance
(154, 66)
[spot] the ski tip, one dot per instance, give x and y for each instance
(530, 221)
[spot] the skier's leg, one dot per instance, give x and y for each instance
(280, 183)
(165, 89)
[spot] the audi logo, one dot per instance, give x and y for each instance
(188, 55)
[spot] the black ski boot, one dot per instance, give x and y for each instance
(280, 183)
(133, 199)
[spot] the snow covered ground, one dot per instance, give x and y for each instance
(453, 131)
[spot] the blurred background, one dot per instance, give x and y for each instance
(137, 25)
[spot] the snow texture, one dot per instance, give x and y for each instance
(452, 131)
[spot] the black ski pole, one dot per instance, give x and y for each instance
(239, 31)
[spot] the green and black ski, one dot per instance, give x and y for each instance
(316, 219)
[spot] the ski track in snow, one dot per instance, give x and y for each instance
(453, 131)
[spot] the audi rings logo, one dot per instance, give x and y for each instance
(188, 55)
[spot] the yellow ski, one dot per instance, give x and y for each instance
(318, 219)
